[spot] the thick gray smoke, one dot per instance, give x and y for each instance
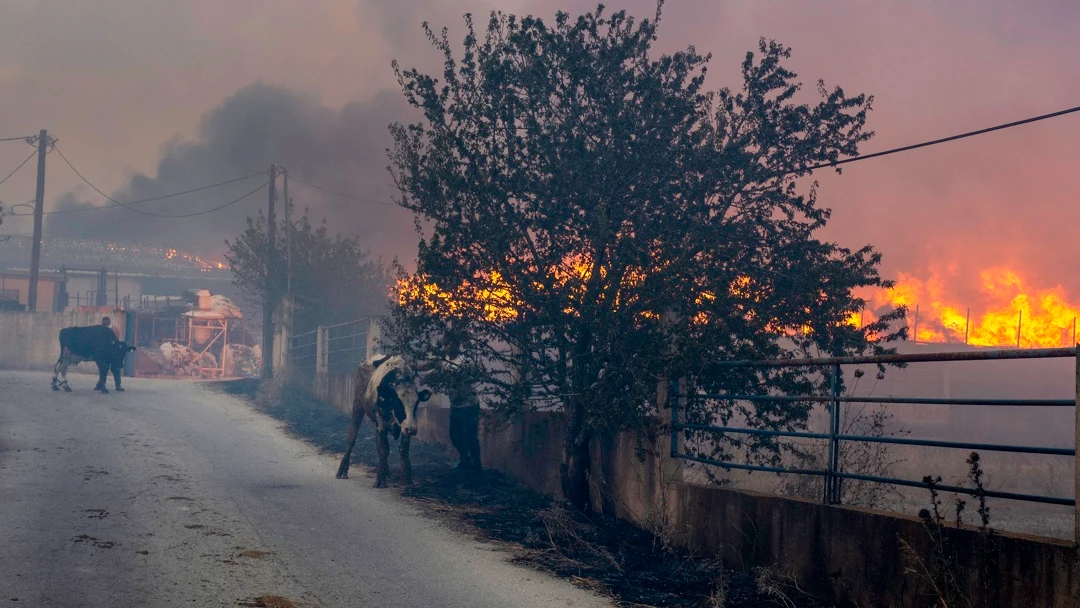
(338, 149)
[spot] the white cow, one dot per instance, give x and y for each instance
(386, 391)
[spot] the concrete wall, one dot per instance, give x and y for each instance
(30, 340)
(335, 389)
(847, 555)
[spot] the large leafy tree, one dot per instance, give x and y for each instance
(593, 221)
(334, 279)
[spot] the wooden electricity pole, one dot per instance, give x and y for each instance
(39, 206)
(269, 296)
(288, 227)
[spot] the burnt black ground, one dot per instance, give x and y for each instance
(609, 556)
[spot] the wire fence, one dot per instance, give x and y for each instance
(683, 432)
(331, 349)
(303, 352)
(346, 345)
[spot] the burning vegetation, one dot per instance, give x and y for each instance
(1010, 311)
(593, 221)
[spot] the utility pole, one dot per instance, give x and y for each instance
(269, 296)
(288, 228)
(1019, 322)
(39, 207)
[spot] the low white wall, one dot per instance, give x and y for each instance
(31, 340)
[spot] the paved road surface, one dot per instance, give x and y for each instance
(173, 495)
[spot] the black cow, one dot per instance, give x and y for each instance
(95, 343)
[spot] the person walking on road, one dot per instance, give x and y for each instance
(107, 322)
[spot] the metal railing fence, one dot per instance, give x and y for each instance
(303, 351)
(332, 349)
(346, 345)
(832, 473)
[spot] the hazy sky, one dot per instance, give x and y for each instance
(150, 96)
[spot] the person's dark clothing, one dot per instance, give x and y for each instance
(464, 435)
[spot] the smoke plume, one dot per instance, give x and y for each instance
(342, 150)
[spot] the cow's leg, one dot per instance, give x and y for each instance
(103, 373)
(56, 372)
(406, 464)
(384, 455)
(354, 428)
(63, 374)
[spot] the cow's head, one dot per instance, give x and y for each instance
(121, 349)
(396, 381)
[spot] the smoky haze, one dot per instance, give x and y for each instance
(118, 80)
(342, 150)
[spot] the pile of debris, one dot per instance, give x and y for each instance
(210, 339)
(179, 361)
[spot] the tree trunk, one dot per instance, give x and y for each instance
(576, 461)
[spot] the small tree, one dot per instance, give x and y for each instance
(594, 221)
(334, 279)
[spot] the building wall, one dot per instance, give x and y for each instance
(81, 289)
(47, 288)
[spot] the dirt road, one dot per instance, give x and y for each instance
(170, 494)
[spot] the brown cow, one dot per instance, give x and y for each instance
(385, 391)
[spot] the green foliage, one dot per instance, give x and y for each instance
(334, 280)
(636, 225)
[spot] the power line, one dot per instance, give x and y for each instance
(348, 196)
(219, 207)
(814, 166)
(146, 200)
(156, 198)
(23, 138)
(16, 169)
(938, 141)
(232, 202)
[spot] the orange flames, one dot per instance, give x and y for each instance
(169, 254)
(1009, 311)
(491, 298)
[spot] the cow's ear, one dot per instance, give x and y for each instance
(425, 395)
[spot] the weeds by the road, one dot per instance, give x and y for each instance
(609, 556)
(940, 572)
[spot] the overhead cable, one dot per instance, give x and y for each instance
(348, 196)
(938, 141)
(16, 169)
(128, 204)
